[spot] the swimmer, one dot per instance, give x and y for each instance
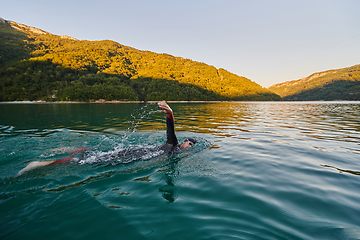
(171, 146)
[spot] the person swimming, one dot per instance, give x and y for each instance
(170, 147)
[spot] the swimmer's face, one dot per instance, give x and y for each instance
(187, 144)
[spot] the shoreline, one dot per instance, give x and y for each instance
(113, 101)
(117, 101)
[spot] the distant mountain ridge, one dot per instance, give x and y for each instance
(337, 84)
(37, 65)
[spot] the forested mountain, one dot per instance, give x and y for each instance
(339, 84)
(35, 65)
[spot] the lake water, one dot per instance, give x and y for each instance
(260, 170)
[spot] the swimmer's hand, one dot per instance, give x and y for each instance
(167, 110)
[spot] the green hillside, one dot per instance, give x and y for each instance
(339, 84)
(38, 65)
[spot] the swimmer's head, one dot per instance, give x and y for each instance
(188, 143)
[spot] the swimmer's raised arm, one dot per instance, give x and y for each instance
(170, 127)
(170, 132)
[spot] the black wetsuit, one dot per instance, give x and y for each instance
(171, 147)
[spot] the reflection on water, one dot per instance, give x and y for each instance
(72, 116)
(321, 120)
(327, 121)
(169, 172)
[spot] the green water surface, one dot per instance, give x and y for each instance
(262, 170)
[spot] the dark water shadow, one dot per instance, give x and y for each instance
(170, 171)
(342, 170)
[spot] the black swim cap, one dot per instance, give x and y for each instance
(193, 140)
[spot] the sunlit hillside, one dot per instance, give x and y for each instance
(338, 84)
(38, 65)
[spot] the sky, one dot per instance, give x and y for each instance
(267, 41)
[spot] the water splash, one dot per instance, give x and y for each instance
(140, 115)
